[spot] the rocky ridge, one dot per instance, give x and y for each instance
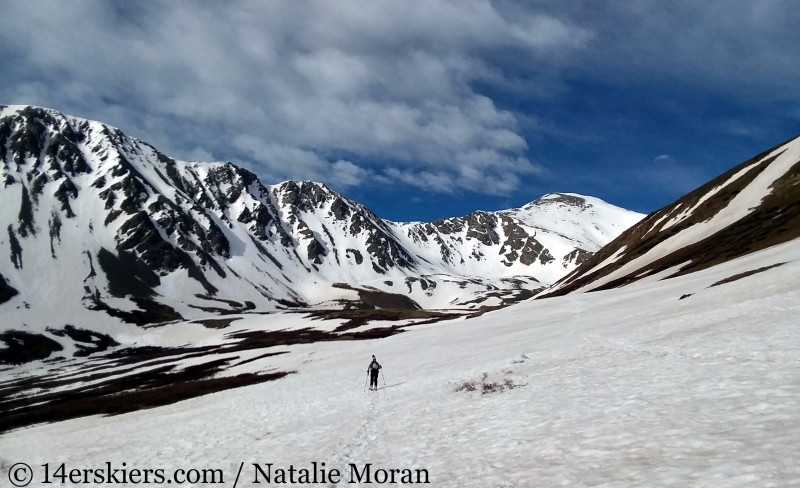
(102, 228)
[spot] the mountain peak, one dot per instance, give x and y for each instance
(141, 237)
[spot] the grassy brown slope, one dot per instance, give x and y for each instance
(739, 276)
(775, 221)
(142, 391)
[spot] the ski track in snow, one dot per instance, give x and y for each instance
(353, 452)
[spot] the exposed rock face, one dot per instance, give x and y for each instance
(749, 208)
(577, 257)
(542, 239)
(87, 341)
(22, 347)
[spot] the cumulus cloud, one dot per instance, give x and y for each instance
(285, 87)
(354, 92)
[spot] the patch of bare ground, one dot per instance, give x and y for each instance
(508, 297)
(138, 391)
(739, 276)
(258, 339)
(215, 323)
(22, 346)
(151, 311)
(262, 356)
(373, 298)
(235, 307)
(482, 310)
(87, 342)
(358, 318)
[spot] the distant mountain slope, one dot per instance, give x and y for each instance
(749, 208)
(545, 238)
(99, 225)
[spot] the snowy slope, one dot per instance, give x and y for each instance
(546, 238)
(102, 230)
(687, 381)
(751, 207)
(626, 387)
(587, 221)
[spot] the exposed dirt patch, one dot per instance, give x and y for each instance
(258, 339)
(134, 355)
(235, 307)
(374, 298)
(135, 392)
(22, 347)
(739, 276)
(357, 318)
(152, 312)
(87, 341)
(262, 356)
(215, 323)
(507, 297)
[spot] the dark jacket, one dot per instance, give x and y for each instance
(372, 369)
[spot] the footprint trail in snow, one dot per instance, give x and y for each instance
(352, 451)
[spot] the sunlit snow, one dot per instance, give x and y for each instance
(626, 387)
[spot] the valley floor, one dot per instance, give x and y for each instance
(628, 387)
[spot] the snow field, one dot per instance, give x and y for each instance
(626, 387)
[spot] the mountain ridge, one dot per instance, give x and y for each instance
(98, 225)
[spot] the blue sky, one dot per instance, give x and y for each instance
(427, 109)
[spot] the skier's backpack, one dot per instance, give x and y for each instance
(375, 365)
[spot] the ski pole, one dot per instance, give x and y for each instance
(383, 377)
(365, 383)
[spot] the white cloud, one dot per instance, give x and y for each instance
(440, 182)
(352, 92)
(664, 158)
(199, 154)
(289, 84)
(345, 174)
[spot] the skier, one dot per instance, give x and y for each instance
(373, 370)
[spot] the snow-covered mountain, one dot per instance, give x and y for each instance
(695, 375)
(96, 222)
(545, 238)
(753, 206)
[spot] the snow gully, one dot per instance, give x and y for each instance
(317, 474)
